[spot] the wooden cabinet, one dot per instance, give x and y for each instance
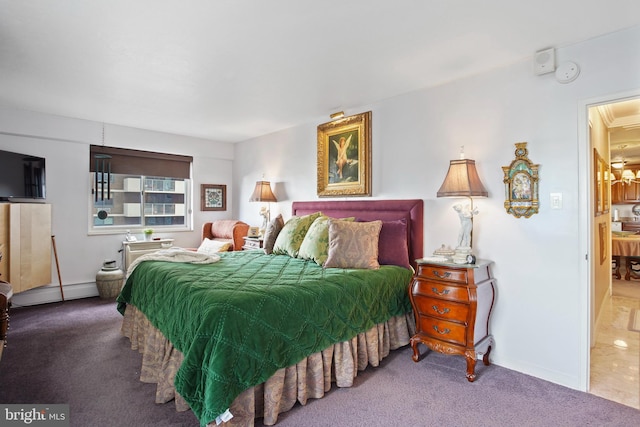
(622, 192)
(630, 192)
(25, 245)
(631, 226)
(452, 304)
(625, 192)
(616, 193)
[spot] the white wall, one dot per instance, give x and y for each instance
(64, 142)
(539, 320)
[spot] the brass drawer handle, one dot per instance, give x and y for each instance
(446, 275)
(435, 308)
(437, 292)
(441, 332)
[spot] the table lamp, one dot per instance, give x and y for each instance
(462, 180)
(262, 193)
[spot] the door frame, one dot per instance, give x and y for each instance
(585, 221)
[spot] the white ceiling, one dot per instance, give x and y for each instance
(230, 70)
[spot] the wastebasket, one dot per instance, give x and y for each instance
(109, 281)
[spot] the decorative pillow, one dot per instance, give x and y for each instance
(393, 248)
(209, 246)
(353, 244)
(315, 245)
(271, 233)
(292, 234)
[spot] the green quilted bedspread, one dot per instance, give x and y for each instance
(241, 319)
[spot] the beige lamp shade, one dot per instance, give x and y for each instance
(262, 192)
(628, 174)
(462, 180)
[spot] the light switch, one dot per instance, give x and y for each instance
(556, 200)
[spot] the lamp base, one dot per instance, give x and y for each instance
(460, 254)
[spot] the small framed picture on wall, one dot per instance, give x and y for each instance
(213, 197)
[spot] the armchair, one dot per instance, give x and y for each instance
(228, 230)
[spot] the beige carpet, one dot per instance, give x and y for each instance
(626, 288)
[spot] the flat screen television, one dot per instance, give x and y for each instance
(22, 177)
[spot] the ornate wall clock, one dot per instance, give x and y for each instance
(521, 184)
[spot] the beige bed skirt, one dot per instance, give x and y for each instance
(310, 378)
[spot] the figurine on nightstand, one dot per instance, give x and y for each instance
(445, 252)
(464, 237)
(466, 223)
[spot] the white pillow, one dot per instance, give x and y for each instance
(209, 246)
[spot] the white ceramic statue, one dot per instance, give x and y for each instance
(466, 223)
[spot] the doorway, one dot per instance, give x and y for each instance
(614, 353)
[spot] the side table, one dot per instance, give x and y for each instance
(452, 304)
(252, 243)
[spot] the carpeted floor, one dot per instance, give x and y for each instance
(73, 353)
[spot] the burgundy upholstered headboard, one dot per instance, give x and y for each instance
(368, 210)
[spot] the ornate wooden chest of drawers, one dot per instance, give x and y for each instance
(452, 304)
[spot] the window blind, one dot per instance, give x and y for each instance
(138, 162)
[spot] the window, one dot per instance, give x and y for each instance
(133, 190)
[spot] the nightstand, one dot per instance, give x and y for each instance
(252, 243)
(452, 304)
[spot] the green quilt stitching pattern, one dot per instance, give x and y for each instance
(239, 320)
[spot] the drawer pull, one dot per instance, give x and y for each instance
(446, 275)
(441, 332)
(444, 311)
(437, 292)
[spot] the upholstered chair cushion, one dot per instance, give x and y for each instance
(226, 229)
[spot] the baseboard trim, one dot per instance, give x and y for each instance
(49, 294)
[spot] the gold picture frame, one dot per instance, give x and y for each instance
(601, 184)
(213, 197)
(603, 237)
(344, 156)
(521, 184)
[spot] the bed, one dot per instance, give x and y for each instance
(252, 334)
